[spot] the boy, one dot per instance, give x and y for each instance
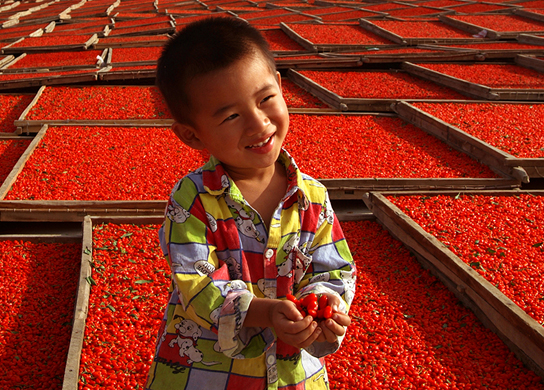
(245, 230)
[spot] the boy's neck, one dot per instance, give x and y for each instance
(262, 189)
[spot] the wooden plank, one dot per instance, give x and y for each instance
(50, 80)
(317, 90)
(522, 333)
(528, 14)
(71, 372)
(18, 167)
(369, 26)
(297, 38)
(467, 88)
(31, 126)
(530, 62)
(472, 28)
(530, 39)
(458, 139)
(6, 61)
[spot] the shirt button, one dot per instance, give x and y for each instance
(270, 359)
(269, 253)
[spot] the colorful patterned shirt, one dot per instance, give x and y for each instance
(222, 255)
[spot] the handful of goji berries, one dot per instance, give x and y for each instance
(312, 305)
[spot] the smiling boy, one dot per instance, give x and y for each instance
(246, 229)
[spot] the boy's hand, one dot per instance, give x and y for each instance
(336, 325)
(291, 327)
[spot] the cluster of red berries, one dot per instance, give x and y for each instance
(312, 305)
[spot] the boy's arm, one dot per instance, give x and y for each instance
(332, 273)
(205, 292)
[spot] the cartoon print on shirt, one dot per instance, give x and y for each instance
(204, 267)
(234, 268)
(225, 181)
(286, 268)
(327, 214)
(188, 333)
(176, 213)
(349, 281)
(233, 285)
(212, 222)
(301, 265)
(244, 220)
(267, 287)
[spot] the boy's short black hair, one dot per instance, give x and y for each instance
(202, 47)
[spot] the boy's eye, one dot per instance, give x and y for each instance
(267, 98)
(231, 117)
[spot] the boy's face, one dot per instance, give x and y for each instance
(239, 115)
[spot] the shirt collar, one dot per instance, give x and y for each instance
(217, 181)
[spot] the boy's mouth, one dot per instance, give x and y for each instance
(260, 144)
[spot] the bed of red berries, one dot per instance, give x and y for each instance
(37, 299)
(373, 147)
(11, 108)
(10, 152)
(501, 237)
(421, 29)
(409, 332)
(105, 163)
(493, 75)
(279, 41)
(99, 103)
(393, 85)
(129, 287)
(513, 128)
(340, 34)
(407, 329)
(47, 40)
(296, 97)
(136, 54)
(501, 23)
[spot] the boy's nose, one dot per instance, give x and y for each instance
(258, 122)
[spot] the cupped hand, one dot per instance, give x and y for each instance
(291, 327)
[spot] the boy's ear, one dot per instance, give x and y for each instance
(278, 75)
(187, 135)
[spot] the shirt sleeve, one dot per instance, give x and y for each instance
(332, 270)
(205, 290)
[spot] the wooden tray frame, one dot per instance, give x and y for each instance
(314, 63)
(477, 91)
(521, 168)
(483, 54)
(530, 62)
(444, 56)
(521, 333)
(528, 14)
(368, 25)
(35, 126)
(6, 68)
(41, 49)
(351, 104)
(110, 74)
(51, 80)
(339, 189)
(530, 39)
(6, 60)
(475, 29)
(316, 47)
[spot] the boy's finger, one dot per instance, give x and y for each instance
(295, 327)
(334, 327)
(329, 335)
(341, 319)
(309, 335)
